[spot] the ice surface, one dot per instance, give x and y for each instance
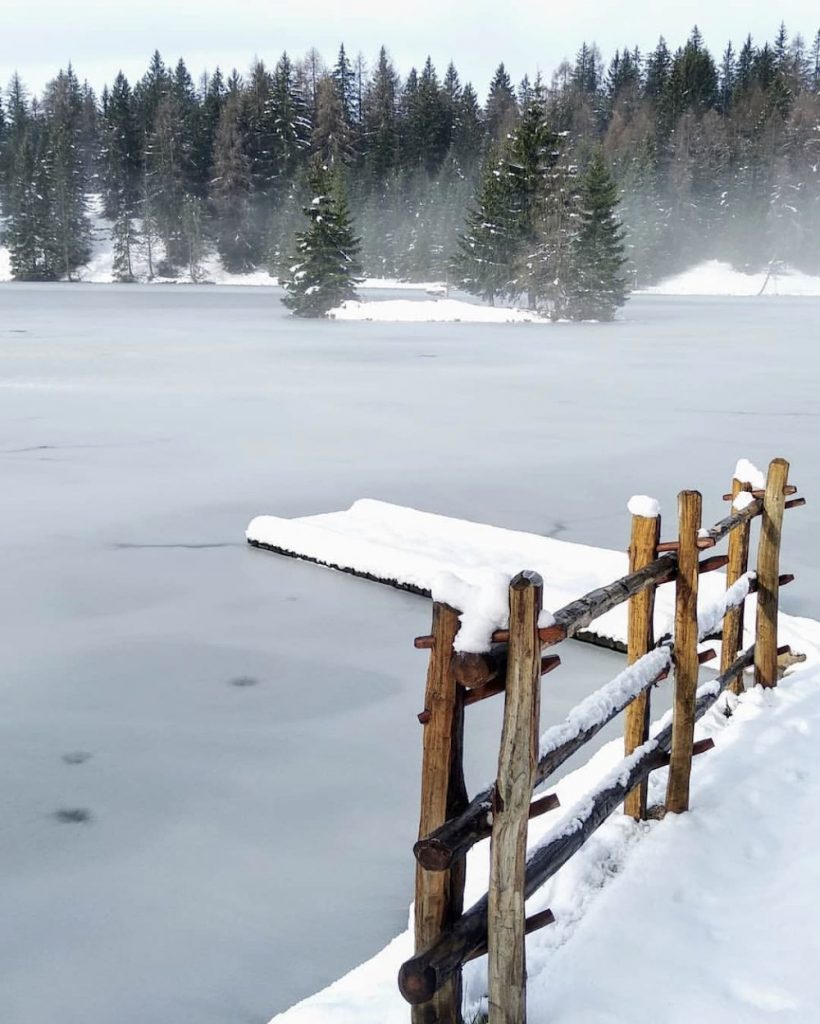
(250, 720)
(642, 505)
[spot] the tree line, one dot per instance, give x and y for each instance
(709, 157)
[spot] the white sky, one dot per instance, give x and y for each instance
(39, 36)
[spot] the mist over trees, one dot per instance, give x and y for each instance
(712, 155)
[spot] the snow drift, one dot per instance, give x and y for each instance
(720, 279)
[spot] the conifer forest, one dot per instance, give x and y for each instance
(686, 153)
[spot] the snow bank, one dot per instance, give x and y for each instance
(716, 278)
(5, 264)
(441, 311)
(642, 505)
(643, 905)
(469, 565)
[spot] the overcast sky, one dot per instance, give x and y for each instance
(39, 36)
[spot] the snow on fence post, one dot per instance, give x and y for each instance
(738, 552)
(646, 532)
(768, 572)
(511, 804)
(440, 895)
(686, 652)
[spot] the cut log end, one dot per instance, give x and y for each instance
(433, 855)
(525, 579)
(416, 983)
(543, 805)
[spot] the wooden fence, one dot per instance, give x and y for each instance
(447, 936)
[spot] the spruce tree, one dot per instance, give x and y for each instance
(234, 225)
(192, 236)
(484, 263)
(596, 287)
(531, 160)
(290, 119)
(70, 227)
(380, 122)
(501, 110)
(325, 267)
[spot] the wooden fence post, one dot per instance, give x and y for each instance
(646, 532)
(768, 571)
(686, 652)
(440, 894)
(738, 552)
(513, 791)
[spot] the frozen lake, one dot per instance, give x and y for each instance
(210, 755)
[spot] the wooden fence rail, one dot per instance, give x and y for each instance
(450, 824)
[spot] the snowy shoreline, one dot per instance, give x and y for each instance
(709, 278)
(638, 875)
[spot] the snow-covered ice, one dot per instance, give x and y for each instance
(435, 311)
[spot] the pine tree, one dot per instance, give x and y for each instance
(192, 236)
(501, 110)
(658, 66)
(120, 155)
(149, 92)
(325, 267)
(531, 160)
(331, 139)
(124, 238)
(596, 287)
(234, 225)
(380, 122)
(430, 117)
(467, 143)
(344, 78)
(484, 263)
(164, 169)
(71, 228)
(727, 79)
(291, 127)
(252, 117)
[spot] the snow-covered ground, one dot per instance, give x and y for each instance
(708, 278)
(710, 916)
(241, 728)
(716, 278)
(100, 266)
